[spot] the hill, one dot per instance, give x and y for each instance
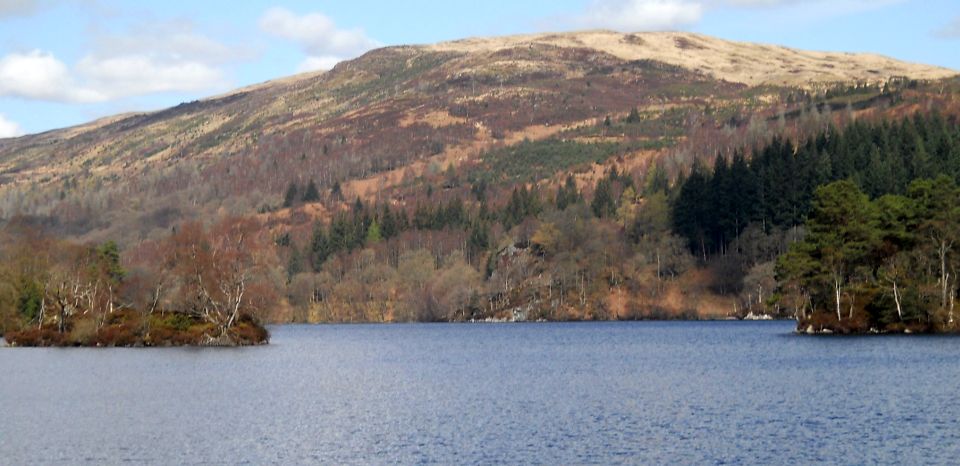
(391, 111)
(458, 146)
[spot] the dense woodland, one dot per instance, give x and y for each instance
(848, 230)
(873, 204)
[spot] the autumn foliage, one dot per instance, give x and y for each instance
(197, 287)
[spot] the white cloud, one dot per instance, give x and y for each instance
(157, 57)
(9, 129)
(152, 59)
(41, 76)
(641, 15)
(318, 36)
(131, 75)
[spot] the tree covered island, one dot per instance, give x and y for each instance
(196, 288)
(885, 265)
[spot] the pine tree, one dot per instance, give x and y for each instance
(295, 264)
(336, 192)
(843, 233)
(568, 194)
(291, 196)
(478, 241)
(108, 256)
(389, 227)
(342, 234)
(311, 194)
(603, 204)
(720, 221)
(373, 234)
(690, 211)
(320, 248)
(656, 180)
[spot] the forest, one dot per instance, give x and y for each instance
(870, 206)
(848, 230)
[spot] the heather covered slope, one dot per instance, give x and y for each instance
(394, 113)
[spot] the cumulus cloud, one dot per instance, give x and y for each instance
(39, 75)
(318, 36)
(9, 129)
(950, 31)
(154, 59)
(641, 15)
(131, 75)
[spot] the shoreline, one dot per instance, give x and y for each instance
(531, 322)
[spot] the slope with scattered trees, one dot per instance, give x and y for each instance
(560, 177)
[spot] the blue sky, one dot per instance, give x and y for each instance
(65, 62)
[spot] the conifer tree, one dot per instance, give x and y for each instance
(311, 194)
(603, 205)
(291, 195)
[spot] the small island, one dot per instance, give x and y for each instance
(876, 266)
(198, 287)
(132, 329)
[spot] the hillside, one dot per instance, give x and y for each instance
(436, 182)
(391, 110)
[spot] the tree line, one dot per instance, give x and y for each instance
(870, 208)
(775, 187)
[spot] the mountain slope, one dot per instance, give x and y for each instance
(373, 125)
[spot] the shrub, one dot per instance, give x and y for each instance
(118, 335)
(84, 332)
(35, 337)
(247, 333)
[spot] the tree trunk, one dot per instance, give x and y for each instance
(896, 299)
(659, 280)
(853, 301)
(944, 275)
(43, 307)
(836, 287)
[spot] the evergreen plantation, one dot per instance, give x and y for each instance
(776, 187)
(878, 205)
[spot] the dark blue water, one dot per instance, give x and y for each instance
(706, 393)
